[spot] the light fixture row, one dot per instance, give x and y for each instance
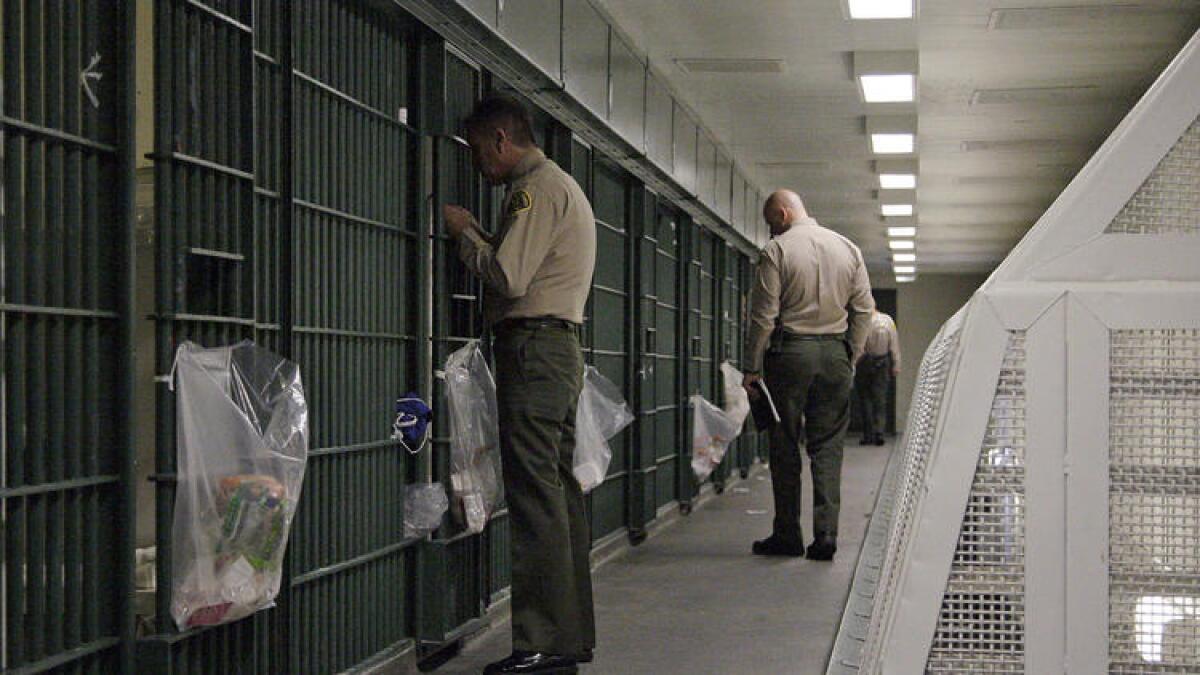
(890, 79)
(897, 181)
(892, 134)
(880, 9)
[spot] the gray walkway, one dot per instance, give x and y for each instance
(693, 599)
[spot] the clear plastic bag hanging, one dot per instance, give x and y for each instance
(737, 401)
(242, 447)
(712, 432)
(424, 506)
(601, 413)
(475, 476)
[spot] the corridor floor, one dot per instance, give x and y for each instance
(693, 599)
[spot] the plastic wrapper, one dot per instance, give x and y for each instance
(601, 413)
(242, 446)
(424, 506)
(712, 431)
(475, 477)
(737, 401)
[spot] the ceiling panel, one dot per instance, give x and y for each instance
(989, 163)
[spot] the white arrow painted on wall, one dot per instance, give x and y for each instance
(87, 75)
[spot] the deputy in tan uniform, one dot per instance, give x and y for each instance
(810, 308)
(537, 271)
(880, 363)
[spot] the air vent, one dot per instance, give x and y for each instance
(796, 165)
(1022, 145)
(1040, 95)
(1076, 17)
(1057, 167)
(1037, 178)
(699, 66)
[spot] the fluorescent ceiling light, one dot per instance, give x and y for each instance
(891, 144)
(902, 244)
(904, 257)
(896, 209)
(902, 231)
(880, 9)
(892, 88)
(905, 278)
(905, 269)
(897, 181)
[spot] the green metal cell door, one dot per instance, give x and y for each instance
(732, 310)
(702, 335)
(355, 260)
(65, 334)
(286, 213)
(216, 246)
(660, 414)
(608, 328)
(453, 574)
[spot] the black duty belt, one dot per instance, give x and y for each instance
(801, 337)
(534, 323)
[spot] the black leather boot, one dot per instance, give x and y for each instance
(823, 548)
(533, 662)
(775, 545)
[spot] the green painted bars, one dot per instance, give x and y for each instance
(302, 151)
(66, 242)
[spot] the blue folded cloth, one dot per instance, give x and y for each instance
(411, 427)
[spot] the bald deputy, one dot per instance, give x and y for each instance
(810, 310)
(537, 271)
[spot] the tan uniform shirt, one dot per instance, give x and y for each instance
(814, 282)
(883, 338)
(540, 262)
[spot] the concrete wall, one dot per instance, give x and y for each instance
(922, 307)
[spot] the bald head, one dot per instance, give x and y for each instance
(782, 209)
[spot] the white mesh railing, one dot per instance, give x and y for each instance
(981, 627)
(1169, 201)
(1083, 258)
(918, 440)
(1154, 501)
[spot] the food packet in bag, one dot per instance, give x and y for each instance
(242, 447)
(475, 476)
(712, 432)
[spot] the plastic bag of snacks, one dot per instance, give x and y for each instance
(475, 476)
(242, 445)
(601, 413)
(712, 431)
(737, 401)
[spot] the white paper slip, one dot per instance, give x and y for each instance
(762, 385)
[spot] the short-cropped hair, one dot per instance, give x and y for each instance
(501, 112)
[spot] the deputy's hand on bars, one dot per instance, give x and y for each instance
(458, 220)
(748, 381)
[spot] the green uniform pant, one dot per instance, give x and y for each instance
(871, 387)
(810, 382)
(539, 373)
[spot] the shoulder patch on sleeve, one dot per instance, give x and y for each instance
(521, 200)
